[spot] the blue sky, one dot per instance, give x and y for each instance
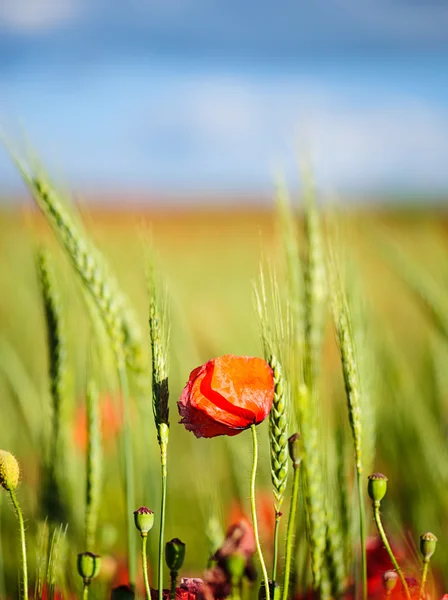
(192, 95)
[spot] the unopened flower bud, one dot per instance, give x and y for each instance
(89, 565)
(390, 579)
(428, 543)
(9, 471)
(377, 487)
(123, 592)
(174, 554)
(236, 565)
(274, 591)
(144, 520)
(294, 449)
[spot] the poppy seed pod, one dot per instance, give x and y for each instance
(89, 565)
(9, 471)
(144, 520)
(294, 450)
(377, 487)
(390, 579)
(174, 554)
(428, 543)
(227, 395)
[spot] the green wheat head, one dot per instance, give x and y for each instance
(52, 488)
(315, 285)
(278, 417)
(347, 350)
(159, 333)
(90, 265)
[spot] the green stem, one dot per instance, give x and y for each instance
(276, 532)
(145, 567)
(377, 518)
(85, 591)
(128, 469)
(254, 510)
(362, 530)
(22, 543)
(173, 576)
(162, 520)
(424, 576)
(290, 531)
(235, 595)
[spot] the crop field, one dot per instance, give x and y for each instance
(105, 312)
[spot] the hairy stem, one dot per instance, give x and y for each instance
(254, 511)
(290, 531)
(85, 591)
(23, 545)
(362, 529)
(173, 575)
(145, 567)
(424, 576)
(278, 517)
(378, 523)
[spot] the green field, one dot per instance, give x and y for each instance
(394, 267)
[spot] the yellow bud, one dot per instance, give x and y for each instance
(9, 471)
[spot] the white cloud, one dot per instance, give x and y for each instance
(37, 15)
(237, 125)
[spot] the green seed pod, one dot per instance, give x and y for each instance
(294, 450)
(174, 554)
(144, 520)
(428, 543)
(9, 471)
(377, 487)
(123, 592)
(274, 591)
(89, 565)
(236, 565)
(390, 579)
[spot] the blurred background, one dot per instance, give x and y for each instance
(171, 120)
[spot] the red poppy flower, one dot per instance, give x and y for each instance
(227, 395)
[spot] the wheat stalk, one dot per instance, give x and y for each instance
(159, 333)
(52, 489)
(347, 350)
(94, 466)
(109, 301)
(278, 417)
(315, 286)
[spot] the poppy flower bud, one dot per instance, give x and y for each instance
(377, 487)
(89, 565)
(428, 543)
(294, 449)
(9, 471)
(144, 520)
(174, 554)
(390, 579)
(123, 592)
(236, 565)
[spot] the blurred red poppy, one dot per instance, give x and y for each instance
(189, 589)
(227, 395)
(265, 512)
(111, 422)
